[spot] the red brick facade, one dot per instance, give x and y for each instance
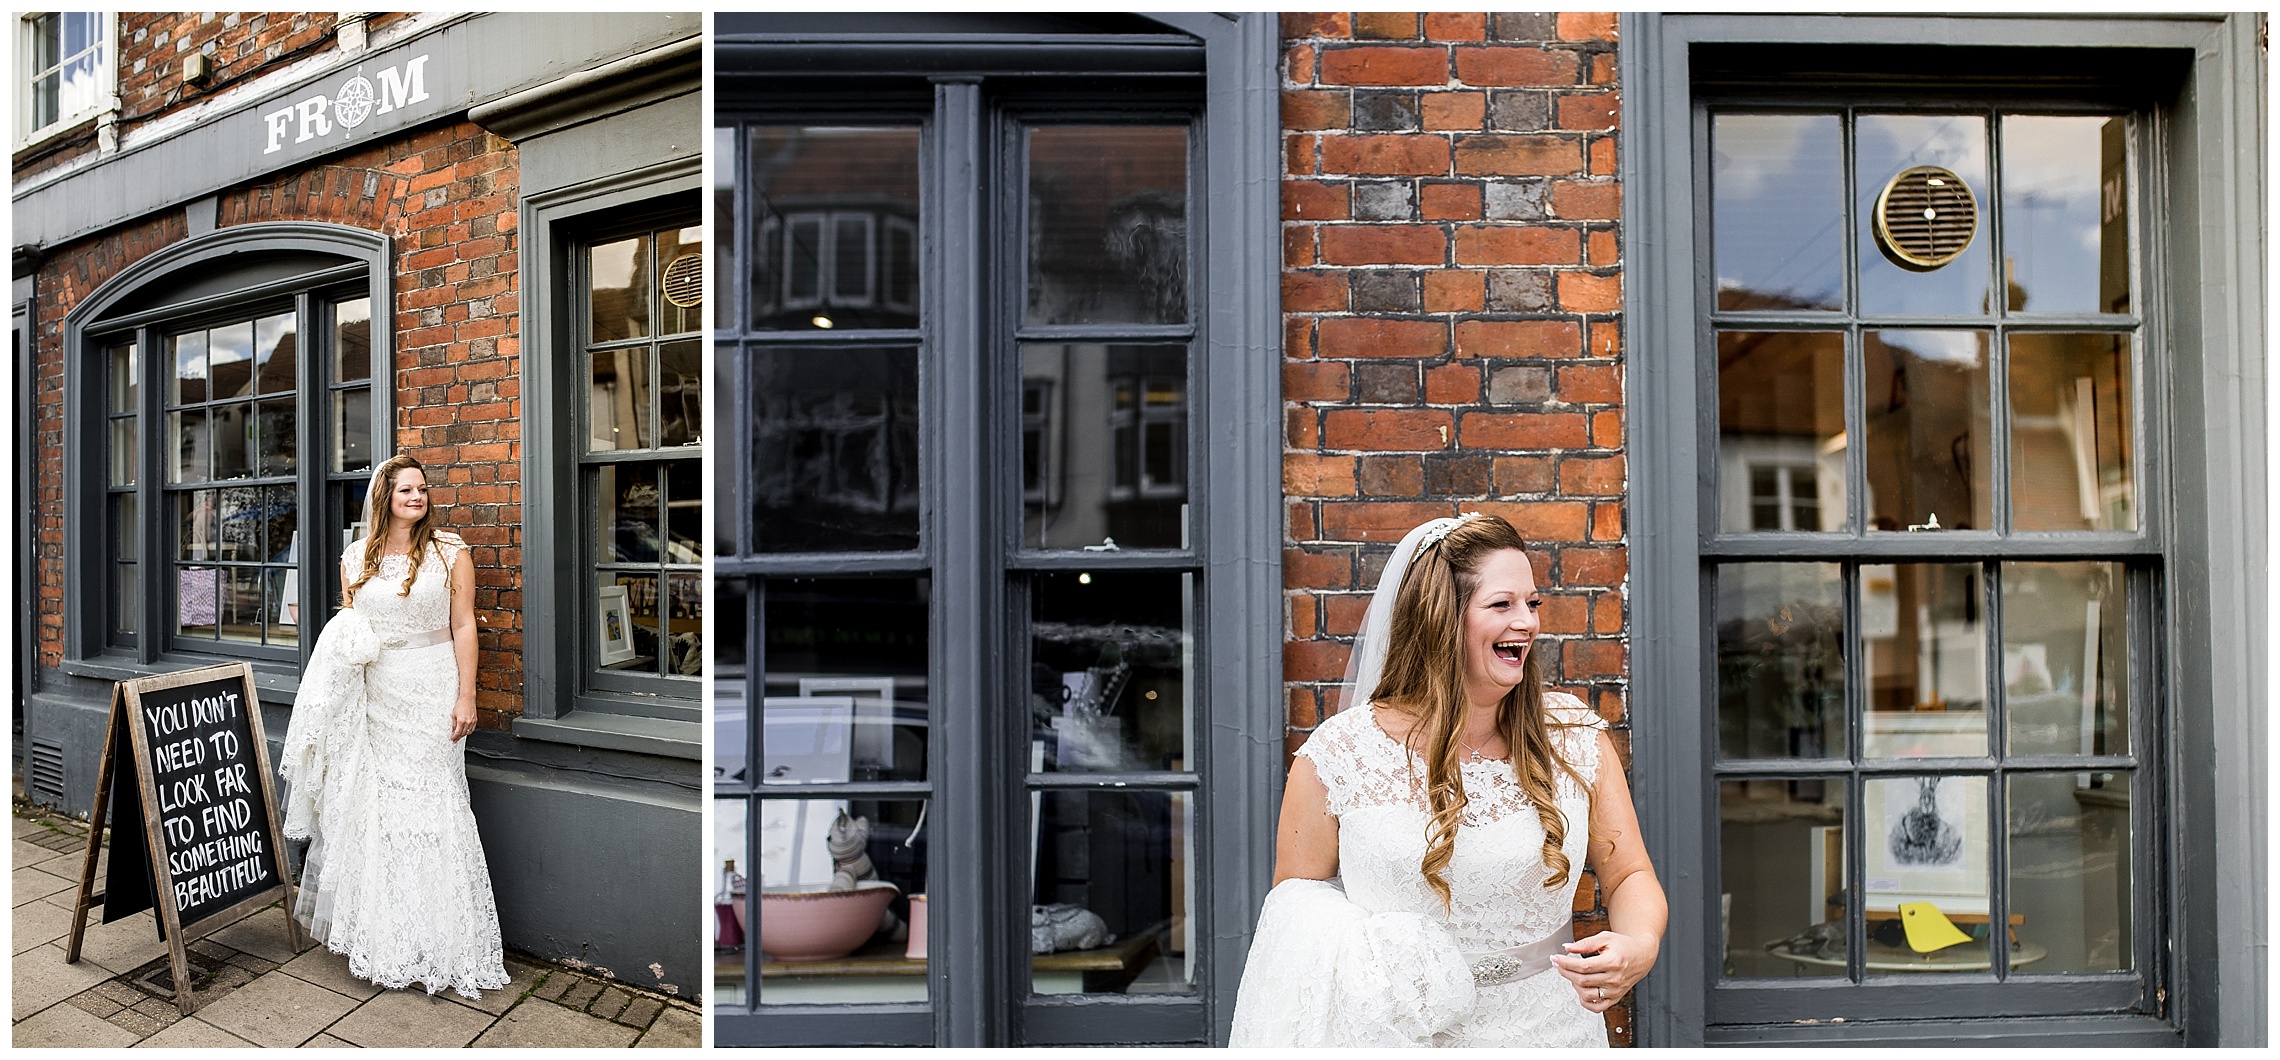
(1452, 297)
(446, 196)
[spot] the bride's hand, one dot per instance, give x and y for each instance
(1602, 978)
(463, 718)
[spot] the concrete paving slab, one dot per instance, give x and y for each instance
(38, 978)
(22, 855)
(31, 885)
(330, 970)
(26, 829)
(64, 1025)
(327, 1041)
(536, 1023)
(676, 1028)
(122, 945)
(194, 1033)
(410, 1019)
(520, 976)
(37, 923)
(262, 934)
(277, 1011)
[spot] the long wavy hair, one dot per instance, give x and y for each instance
(1425, 673)
(377, 515)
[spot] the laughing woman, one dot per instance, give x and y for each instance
(1433, 833)
(376, 760)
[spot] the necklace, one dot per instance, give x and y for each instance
(1474, 751)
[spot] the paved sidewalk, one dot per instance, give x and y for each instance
(255, 991)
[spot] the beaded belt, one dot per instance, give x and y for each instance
(1519, 962)
(419, 640)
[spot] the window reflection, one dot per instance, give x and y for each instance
(1114, 893)
(1109, 672)
(1108, 224)
(846, 695)
(835, 232)
(1781, 667)
(2069, 837)
(2071, 436)
(1104, 445)
(1923, 635)
(1782, 877)
(1781, 431)
(2066, 659)
(1929, 437)
(1885, 146)
(835, 452)
(2066, 214)
(1778, 211)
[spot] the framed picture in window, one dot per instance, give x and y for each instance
(615, 613)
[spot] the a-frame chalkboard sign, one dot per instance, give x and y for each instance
(187, 750)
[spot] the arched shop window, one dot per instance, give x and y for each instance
(1928, 528)
(227, 430)
(982, 600)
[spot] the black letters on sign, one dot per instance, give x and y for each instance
(211, 795)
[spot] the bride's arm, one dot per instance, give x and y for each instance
(1637, 914)
(463, 642)
(1306, 841)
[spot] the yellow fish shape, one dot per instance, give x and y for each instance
(1928, 929)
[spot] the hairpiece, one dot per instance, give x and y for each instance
(1441, 529)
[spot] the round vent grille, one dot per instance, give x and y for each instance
(1924, 218)
(685, 281)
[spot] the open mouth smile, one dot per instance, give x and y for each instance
(1511, 651)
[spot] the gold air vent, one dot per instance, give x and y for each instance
(685, 281)
(1924, 218)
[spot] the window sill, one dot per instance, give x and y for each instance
(272, 687)
(617, 732)
(60, 132)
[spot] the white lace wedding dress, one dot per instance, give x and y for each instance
(1497, 896)
(395, 877)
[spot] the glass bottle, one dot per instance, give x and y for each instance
(728, 908)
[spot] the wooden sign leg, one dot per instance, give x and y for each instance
(87, 895)
(179, 954)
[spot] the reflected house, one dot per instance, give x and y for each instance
(242, 292)
(1871, 391)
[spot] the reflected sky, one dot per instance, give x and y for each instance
(1887, 144)
(1778, 187)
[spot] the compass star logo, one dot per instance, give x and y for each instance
(354, 103)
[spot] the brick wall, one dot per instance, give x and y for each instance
(446, 197)
(1451, 295)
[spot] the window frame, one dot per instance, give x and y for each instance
(971, 418)
(1664, 226)
(106, 99)
(328, 263)
(559, 705)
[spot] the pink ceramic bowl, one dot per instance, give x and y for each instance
(813, 925)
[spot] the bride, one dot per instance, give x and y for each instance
(377, 773)
(1426, 861)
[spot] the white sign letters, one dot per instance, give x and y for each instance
(356, 100)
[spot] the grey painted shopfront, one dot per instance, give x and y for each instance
(587, 129)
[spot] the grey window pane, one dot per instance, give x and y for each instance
(1926, 845)
(197, 526)
(1778, 210)
(126, 379)
(126, 607)
(1887, 145)
(232, 427)
(126, 450)
(241, 610)
(619, 276)
(627, 498)
(1923, 637)
(684, 511)
(352, 340)
(846, 681)
(2066, 663)
(1781, 877)
(198, 593)
(279, 516)
(823, 946)
(1781, 431)
(277, 437)
(1110, 677)
(2066, 213)
(1108, 224)
(126, 526)
(834, 220)
(1104, 445)
(230, 360)
(2071, 437)
(1781, 667)
(684, 625)
(276, 351)
(835, 453)
(618, 400)
(283, 600)
(1930, 450)
(352, 429)
(680, 280)
(188, 384)
(240, 518)
(2069, 849)
(731, 923)
(1118, 864)
(190, 451)
(724, 271)
(628, 620)
(681, 393)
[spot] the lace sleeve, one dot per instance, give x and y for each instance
(1331, 752)
(1580, 727)
(351, 564)
(449, 546)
